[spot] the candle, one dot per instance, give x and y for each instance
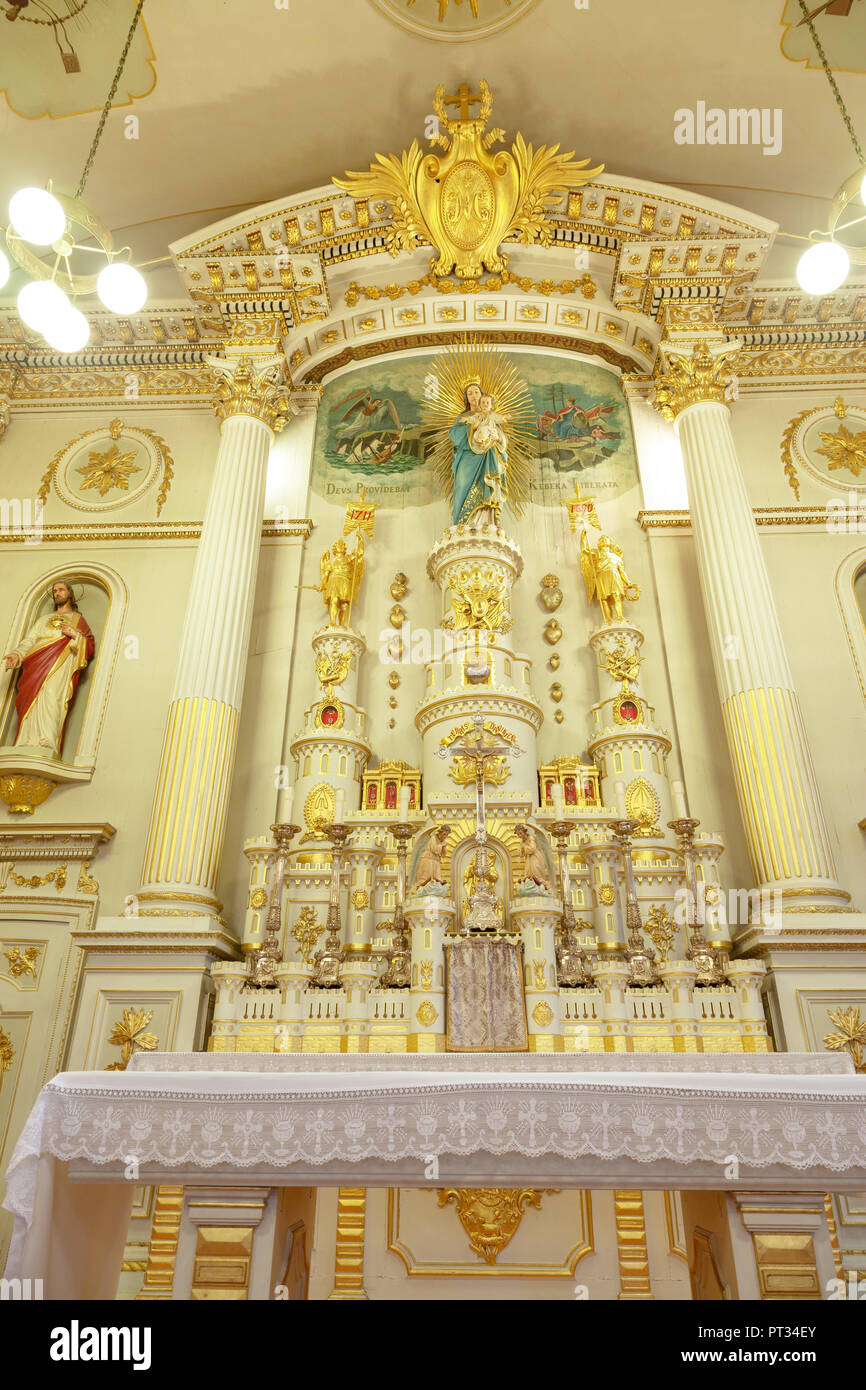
(678, 792)
(405, 793)
(284, 805)
(339, 807)
(557, 794)
(619, 793)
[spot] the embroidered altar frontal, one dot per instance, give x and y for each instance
(485, 1008)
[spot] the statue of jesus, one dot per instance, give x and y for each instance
(51, 658)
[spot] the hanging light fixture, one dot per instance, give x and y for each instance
(42, 218)
(823, 267)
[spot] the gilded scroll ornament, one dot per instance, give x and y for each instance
(467, 202)
(306, 932)
(851, 1036)
(490, 1215)
(689, 378)
(22, 962)
(129, 1035)
(7, 1052)
(86, 882)
(606, 894)
(661, 929)
(496, 772)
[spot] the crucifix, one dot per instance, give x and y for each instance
(464, 98)
(481, 746)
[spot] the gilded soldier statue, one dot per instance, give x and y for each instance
(341, 574)
(605, 575)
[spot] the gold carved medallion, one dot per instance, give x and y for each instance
(468, 201)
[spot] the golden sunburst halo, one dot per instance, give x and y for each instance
(473, 360)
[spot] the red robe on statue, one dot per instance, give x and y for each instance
(43, 660)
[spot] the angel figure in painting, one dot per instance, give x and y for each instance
(605, 576)
(51, 658)
(483, 435)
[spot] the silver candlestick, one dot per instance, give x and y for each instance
(640, 955)
(703, 955)
(328, 961)
(263, 962)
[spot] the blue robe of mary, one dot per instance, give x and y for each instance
(469, 468)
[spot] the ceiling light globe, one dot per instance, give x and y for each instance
(121, 288)
(823, 267)
(69, 333)
(37, 216)
(5, 269)
(41, 303)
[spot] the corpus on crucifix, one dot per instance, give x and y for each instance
(481, 746)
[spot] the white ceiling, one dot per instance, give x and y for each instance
(252, 102)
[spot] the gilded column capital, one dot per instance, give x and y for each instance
(254, 387)
(693, 373)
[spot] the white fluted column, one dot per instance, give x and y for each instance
(188, 816)
(776, 785)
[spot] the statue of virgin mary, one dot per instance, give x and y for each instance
(480, 458)
(483, 431)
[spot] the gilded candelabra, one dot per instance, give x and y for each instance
(640, 955)
(700, 952)
(263, 962)
(399, 957)
(573, 965)
(326, 974)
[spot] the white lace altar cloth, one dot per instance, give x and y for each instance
(319, 1121)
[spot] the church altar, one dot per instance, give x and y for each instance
(796, 1122)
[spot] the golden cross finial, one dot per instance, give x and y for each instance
(464, 98)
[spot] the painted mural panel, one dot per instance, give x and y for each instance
(372, 432)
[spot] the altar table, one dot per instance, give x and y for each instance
(672, 1121)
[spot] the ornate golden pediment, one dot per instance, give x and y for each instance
(467, 202)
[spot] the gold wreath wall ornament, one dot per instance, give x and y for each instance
(467, 202)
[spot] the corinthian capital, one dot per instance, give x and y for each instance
(252, 386)
(692, 374)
